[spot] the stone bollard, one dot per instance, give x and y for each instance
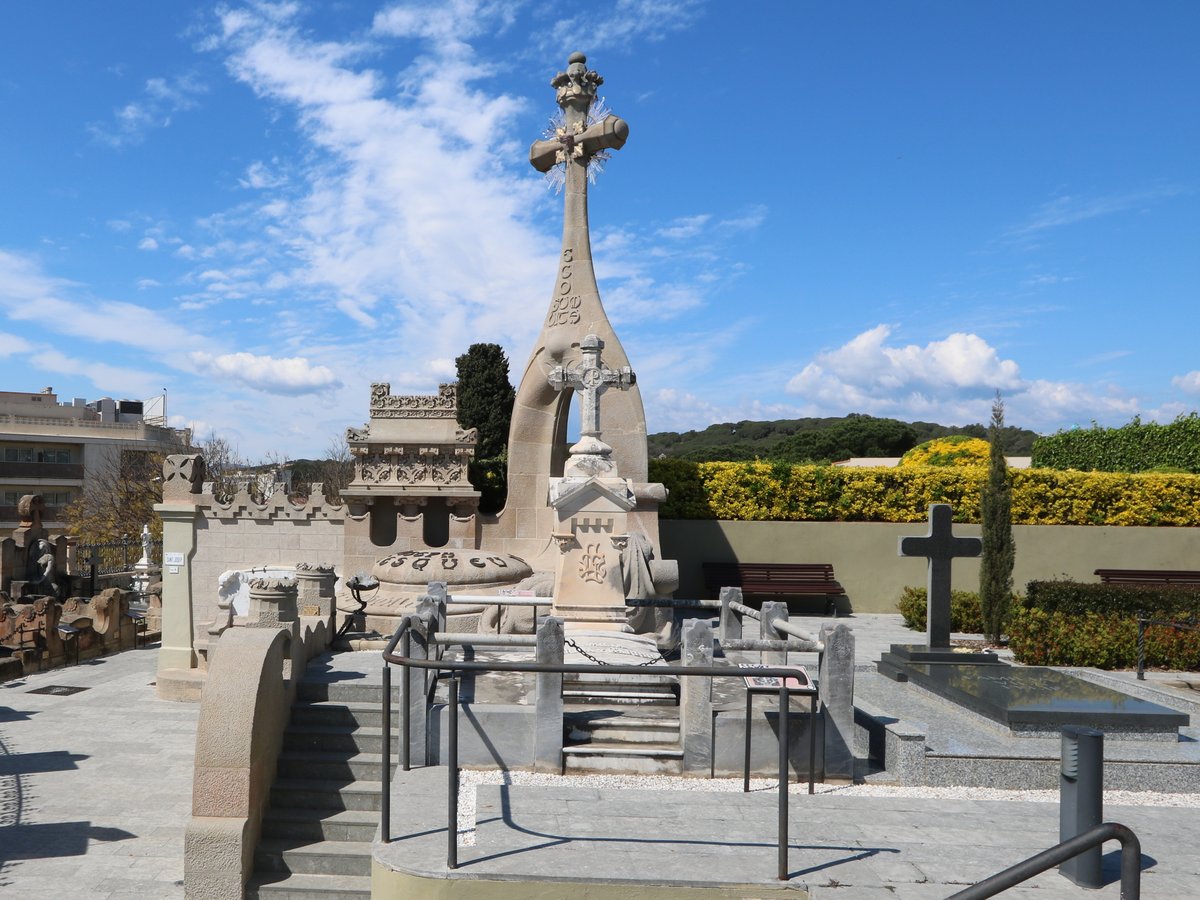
(548, 719)
(315, 587)
(771, 611)
(695, 705)
(273, 605)
(836, 691)
(731, 620)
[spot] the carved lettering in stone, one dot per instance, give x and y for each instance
(564, 309)
(592, 566)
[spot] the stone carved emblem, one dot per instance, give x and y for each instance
(182, 474)
(592, 566)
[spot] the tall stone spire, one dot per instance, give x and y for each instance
(537, 439)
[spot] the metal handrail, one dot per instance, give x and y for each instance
(404, 660)
(1131, 862)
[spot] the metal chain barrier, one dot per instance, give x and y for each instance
(574, 646)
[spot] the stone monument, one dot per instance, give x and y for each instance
(31, 563)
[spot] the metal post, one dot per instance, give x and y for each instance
(404, 705)
(1081, 800)
(783, 779)
(812, 741)
(746, 752)
(1141, 646)
(385, 775)
(452, 777)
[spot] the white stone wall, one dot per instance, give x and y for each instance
(253, 538)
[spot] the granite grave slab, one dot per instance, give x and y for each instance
(1037, 700)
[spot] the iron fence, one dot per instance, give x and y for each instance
(115, 557)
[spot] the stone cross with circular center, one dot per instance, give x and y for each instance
(590, 379)
(940, 547)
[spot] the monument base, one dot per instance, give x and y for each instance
(894, 663)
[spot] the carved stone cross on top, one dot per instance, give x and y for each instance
(591, 378)
(940, 547)
(575, 143)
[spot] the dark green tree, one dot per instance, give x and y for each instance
(485, 397)
(996, 566)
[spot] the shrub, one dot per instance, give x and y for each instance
(1131, 448)
(1069, 623)
(1079, 598)
(1039, 637)
(965, 613)
(761, 491)
(954, 450)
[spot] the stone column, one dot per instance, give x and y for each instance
(183, 476)
(315, 589)
(836, 691)
(548, 720)
(770, 611)
(695, 706)
(731, 621)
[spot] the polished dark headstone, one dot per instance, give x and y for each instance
(1039, 699)
(893, 662)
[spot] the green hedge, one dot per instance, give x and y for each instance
(761, 491)
(1067, 623)
(1077, 598)
(1135, 447)
(1106, 641)
(965, 614)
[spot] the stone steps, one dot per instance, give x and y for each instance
(620, 726)
(324, 812)
(295, 886)
(627, 758)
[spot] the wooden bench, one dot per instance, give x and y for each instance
(790, 579)
(1148, 576)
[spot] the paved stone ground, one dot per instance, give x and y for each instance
(95, 791)
(95, 787)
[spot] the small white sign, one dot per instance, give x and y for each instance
(173, 570)
(173, 559)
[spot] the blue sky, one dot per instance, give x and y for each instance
(889, 208)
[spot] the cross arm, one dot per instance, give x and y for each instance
(609, 134)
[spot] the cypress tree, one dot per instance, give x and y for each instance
(485, 397)
(996, 566)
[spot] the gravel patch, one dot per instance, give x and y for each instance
(469, 779)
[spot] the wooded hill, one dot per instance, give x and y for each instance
(817, 440)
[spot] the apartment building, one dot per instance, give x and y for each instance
(52, 448)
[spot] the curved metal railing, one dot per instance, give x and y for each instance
(1131, 862)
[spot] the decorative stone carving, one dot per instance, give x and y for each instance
(442, 405)
(456, 567)
(183, 476)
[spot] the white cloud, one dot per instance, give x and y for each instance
(145, 284)
(951, 381)
(1070, 210)
(685, 227)
(402, 208)
(258, 176)
(608, 26)
(10, 344)
(289, 375)
(160, 100)
(866, 367)
(147, 243)
(1189, 383)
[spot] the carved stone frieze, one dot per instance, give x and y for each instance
(442, 405)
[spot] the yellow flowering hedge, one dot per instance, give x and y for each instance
(760, 491)
(954, 450)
